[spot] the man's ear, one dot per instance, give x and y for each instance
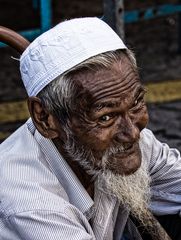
(46, 123)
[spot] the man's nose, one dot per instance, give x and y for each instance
(127, 131)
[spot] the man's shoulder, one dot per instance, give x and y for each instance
(17, 140)
(147, 143)
(146, 132)
(146, 137)
(27, 181)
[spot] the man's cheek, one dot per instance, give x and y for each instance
(92, 136)
(99, 140)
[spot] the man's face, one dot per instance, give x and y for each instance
(109, 115)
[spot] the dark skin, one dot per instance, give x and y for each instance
(109, 111)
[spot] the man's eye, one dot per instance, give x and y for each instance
(105, 118)
(137, 101)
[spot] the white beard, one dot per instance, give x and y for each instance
(132, 191)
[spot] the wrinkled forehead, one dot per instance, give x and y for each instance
(116, 84)
(120, 72)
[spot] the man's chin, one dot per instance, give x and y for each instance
(125, 165)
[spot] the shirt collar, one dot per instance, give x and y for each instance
(77, 194)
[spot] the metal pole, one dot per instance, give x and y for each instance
(46, 15)
(120, 18)
(13, 39)
(114, 15)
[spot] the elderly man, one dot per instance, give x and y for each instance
(84, 166)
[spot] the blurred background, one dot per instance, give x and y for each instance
(152, 29)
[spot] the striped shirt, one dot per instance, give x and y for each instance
(41, 197)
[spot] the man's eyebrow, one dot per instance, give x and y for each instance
(111, 104)
(99, 106)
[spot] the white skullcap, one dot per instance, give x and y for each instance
(63, 47)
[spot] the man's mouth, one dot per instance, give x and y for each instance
(124, 158)
(122, 149)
